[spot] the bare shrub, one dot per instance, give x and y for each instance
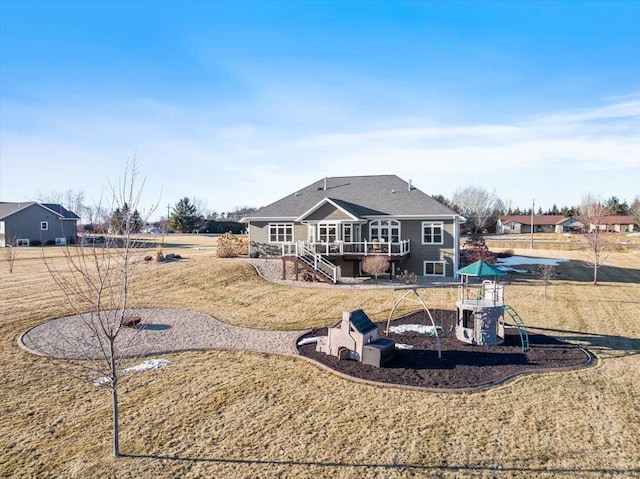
(244, 246)
(375, 265)
(408, 278)
(229, 246)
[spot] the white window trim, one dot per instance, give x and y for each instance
(432, 223)
(376, 224)
(44, 226)
(61, 241)
(22, 242)
(444, 268)
(287, 227)
(329, 224)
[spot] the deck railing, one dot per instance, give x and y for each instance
(359, 248)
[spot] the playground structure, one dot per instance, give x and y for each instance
(480, 313)
(406, 297)
(355, 336)
(481, 307)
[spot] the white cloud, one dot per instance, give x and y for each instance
(194, 151)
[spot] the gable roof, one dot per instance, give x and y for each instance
(8, 209)
(360, 196)
(340, 205)
(538, 220)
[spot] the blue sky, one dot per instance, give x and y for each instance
(241, 103)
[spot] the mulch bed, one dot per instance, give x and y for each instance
(462, 365)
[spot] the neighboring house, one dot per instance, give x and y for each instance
(615, 224)
(517, 224)
(334, 223)
(30, 223)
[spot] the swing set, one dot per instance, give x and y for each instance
(415, 300)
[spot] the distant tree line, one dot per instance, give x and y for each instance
(188, 216)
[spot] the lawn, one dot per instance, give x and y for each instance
(239, 414)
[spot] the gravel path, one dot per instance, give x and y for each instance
(171, 330)
(160, 331)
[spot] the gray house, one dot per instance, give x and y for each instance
(30, 223)
(334, 223)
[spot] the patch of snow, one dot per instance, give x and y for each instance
(519, 260)
(313, 340)
(523, 271)
(145, 366)
(403, 346)
(148, 364)
(418, 328)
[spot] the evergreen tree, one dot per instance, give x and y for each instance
(136, 222)
(184, 217)
(116, 221)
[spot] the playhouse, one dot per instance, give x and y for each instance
(355, 336)
(480, 305)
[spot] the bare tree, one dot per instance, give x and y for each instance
(592, 213)
(98, 283)
(375, 265)
(546, 272)
(634, 210)
(74, 201)
(9, 252)
(477, 205)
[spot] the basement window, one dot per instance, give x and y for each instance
(434, 268)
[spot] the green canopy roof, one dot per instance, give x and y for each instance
(480, 268)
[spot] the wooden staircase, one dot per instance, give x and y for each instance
(317, 265)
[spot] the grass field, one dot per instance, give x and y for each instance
(238, 414)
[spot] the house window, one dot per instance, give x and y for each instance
(22, 242)
(432, 232)
(280, 232)
(388, 230)
(327, 232)
(61, 241)
(347, 233)
(44, 225)
(434, 268)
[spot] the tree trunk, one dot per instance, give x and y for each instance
(116, 427)
(595, 272)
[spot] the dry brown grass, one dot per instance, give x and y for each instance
(235, 414)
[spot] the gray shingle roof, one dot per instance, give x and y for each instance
(7, 209)
(61, 210)
(364, 196)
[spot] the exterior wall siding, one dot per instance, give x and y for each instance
(419, 253)
(259, 231)
(410, 229)
(25, 224)
(328, 212)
